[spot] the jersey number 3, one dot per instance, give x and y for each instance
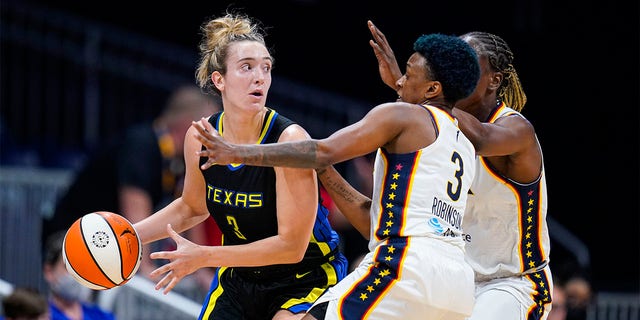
(454, 192)
(232, 222)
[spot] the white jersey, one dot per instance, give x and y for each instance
(506, 222)
(424, 193)
(415, 268)
(508, 241)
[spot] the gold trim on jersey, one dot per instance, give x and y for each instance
(268, 123)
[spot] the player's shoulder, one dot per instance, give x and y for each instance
(294, 132)
(394, 111)
(517, 122)
(396, 105)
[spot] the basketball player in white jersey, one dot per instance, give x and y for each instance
(423, 169)
(505, 224)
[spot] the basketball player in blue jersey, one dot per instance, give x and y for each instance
(424, 166)
(279, 252)
(505, 224)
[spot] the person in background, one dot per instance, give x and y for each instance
(142, 172)
(68, 299)
(279, 252)
(424, 166)
(25, 304)
(559, 304)
(579, 296)
(575, 280)
(150, 163)
(507, 236)
(572, 297)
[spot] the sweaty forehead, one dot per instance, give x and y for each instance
(248, 50)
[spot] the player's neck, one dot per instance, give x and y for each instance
(440, 105)
(241, 129)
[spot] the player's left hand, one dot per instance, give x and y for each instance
(182, 262)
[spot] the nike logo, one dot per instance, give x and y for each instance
(298, 276)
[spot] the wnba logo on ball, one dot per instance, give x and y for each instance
(100, 239)
(102, 250)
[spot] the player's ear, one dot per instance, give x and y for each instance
(218, 81)
(496, 80)
(433, 89)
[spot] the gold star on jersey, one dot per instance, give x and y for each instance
(389, 256)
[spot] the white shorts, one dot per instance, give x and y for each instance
(517, 298)
(407, 278)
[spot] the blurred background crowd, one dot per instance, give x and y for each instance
(78, 77)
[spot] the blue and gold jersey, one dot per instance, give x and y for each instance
(242, 199)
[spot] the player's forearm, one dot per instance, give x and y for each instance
(154, 227)
(298, 154)
(472, 129)
(353, 204)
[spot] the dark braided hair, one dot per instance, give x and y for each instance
(500, 59)
(452, 62)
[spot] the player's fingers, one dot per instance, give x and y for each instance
(375, 46)
(169, 282)
(174, 281)
(208, 164)
(167, 255)
(202, 140)
(203, 134)
(200, 136)
(163, 282)
(199, 126)
(206, 141)
(377, 34)
(172, 233)
(207, 126)
(156, 255)
(160, 270)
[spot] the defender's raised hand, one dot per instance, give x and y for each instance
(387, 63)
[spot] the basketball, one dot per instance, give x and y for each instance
(102, 250)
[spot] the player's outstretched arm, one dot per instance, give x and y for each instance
(380, 125)
(298, 154)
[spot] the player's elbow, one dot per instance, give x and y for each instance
(298, 256)
(295, 253)
(323, 161)
(480, 146)
(325, 156)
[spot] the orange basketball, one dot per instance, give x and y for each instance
(102, 250)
